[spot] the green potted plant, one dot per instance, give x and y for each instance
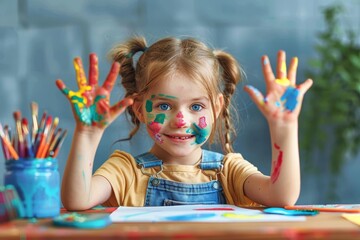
(330, 122)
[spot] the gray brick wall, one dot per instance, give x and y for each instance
(39, 39)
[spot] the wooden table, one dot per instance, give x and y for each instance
(322, 226)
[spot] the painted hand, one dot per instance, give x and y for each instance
(90, 103)
(283, 97)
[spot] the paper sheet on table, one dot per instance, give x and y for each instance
(196, 213)
(352, 217)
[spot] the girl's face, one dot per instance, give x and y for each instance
(178, 116)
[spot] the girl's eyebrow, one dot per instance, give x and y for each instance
(167, 97)
(162, 97)
(200, 99)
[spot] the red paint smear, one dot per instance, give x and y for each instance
(181, 123)
(179, 115)
(202, 122)
(60, 84)
(155, 127)
(278, 163)
(215, 209)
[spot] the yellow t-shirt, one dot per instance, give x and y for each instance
(129, 183)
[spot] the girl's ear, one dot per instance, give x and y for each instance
(137, 109)
(219, 104)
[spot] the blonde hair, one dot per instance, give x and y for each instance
(217, 71)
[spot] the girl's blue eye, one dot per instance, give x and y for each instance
(164, 106)
(196, 107)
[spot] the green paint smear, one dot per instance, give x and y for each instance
(99, 97)
(66, 91)
(167, 96)
(160, 118)
(200, 133)
(88, 115)
(77, 98)
(149, 106)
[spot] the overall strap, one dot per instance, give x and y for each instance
(211, 160)
(148, 160)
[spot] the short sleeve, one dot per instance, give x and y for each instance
(119, 171)
(235, 172)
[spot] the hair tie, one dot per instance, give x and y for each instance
(129, 55)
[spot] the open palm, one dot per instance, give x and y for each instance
(283, 97)
(90, 103)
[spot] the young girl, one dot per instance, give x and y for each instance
(181, 90)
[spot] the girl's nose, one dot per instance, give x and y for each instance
(179, 121)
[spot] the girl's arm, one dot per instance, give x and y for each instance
(92, 113)
(281, 107)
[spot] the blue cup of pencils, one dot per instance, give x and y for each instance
(37, 182)
(31, 163)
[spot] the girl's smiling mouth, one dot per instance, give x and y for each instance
(179, 137)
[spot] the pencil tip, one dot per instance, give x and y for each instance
(17, 115)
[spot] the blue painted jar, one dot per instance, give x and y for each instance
(37, 182)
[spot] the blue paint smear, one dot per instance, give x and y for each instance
(290, 98)
(190, 217)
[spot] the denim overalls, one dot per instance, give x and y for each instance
(162, 192)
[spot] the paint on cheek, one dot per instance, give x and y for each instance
(202, 122)
(276, 172)
(201, 134)
(155, 126)
(160, 118)
(149, 106)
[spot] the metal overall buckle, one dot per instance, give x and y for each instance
(156, 175)
(217, 172)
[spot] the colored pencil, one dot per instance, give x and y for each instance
(59, 144)
(39, 132)
(43, 136)
(43, 140)
(34, 116)
(21, 146)
(28, 141)
(49, 137)
(7, 144)
(54, 142)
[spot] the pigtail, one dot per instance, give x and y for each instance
(123, 53)
(231, 75)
